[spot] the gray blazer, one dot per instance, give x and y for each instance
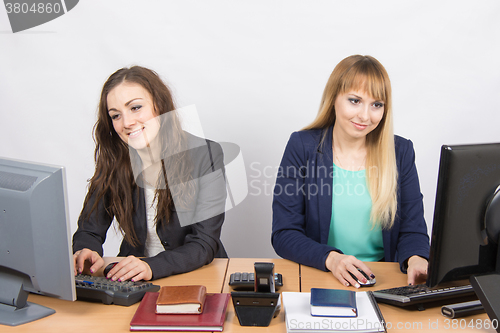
(188, 244)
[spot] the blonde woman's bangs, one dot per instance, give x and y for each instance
(367, 79)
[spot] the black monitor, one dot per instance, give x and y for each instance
(35, 251)
(466, 201)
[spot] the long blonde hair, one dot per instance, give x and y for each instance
(366, 73)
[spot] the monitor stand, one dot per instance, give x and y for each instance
(14, 309)
(487, 287)
(10, 315)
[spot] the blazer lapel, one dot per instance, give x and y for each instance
(324, 169)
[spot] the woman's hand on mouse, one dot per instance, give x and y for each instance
(340, 265)
(81, 256)
(417, 270)
(131, 268)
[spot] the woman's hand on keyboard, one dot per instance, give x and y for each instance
(81, 256)
(340, 265)
(130, 268)
(417, 270)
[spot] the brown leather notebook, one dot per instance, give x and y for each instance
(181, 299)
(211, 320)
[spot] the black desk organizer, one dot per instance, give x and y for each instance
(255, 308)
(258, 307)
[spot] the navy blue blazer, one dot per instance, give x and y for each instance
(302, 203)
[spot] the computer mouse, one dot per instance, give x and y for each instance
(108, 268)
(369, 281)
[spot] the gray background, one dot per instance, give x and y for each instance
(255, 71)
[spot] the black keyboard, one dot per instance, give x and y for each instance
(420, 293)
(100, 289)
(246, 281)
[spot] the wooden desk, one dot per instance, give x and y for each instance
(290, 272)
(75, 317)
(388, 275)
(79, 316)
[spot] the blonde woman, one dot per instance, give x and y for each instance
(347, 190)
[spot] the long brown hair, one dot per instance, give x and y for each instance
(366, 73)
(114, 180)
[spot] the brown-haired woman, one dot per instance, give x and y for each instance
(347, 189)
(164, 186)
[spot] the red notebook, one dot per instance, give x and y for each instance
(212, 318)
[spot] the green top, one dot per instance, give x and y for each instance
(350, 228)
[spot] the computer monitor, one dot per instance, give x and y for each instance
(468, 181)
(35, 251)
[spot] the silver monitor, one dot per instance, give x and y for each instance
(35, 247)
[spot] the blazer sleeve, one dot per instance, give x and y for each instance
(295, 228)
(413, 238)
(92, 227)
(202, 243)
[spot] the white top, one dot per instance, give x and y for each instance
(153, 243)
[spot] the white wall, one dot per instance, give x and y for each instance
(255, 71)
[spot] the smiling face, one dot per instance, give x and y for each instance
(357, 114)
(133, 115)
